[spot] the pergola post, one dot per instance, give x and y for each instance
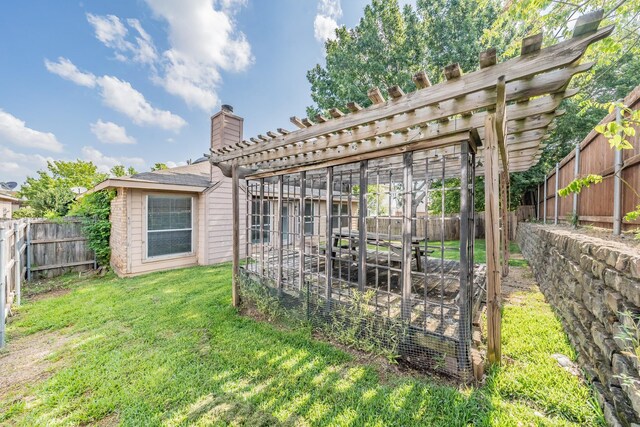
(466, 265)
(235, 207)
(362, 227)
(328, 260)
(406, 234)
(492, 237)
(504, 213)
(303, 195)
(279, 235)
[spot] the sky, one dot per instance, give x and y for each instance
(135, 82)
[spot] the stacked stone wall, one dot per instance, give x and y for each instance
(594, 286)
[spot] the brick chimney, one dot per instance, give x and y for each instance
(226, 128)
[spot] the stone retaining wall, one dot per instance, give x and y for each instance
(592, 284)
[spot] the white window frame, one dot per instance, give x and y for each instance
(147, 231)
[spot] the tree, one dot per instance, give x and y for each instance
(159, 167)
(50, 194)
(390, 44)
(94, 209)
(120, 170)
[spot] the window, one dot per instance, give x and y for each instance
(340, 215)
(308, 218)
(169, 225)
(255, 221)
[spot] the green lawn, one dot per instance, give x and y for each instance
(480, 253)
(168, 349)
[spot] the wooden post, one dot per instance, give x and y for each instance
(235, 207)
(617, 184)
(261, 210)
(544, 204)
(406, 234)
(280, 235)
(28, 250)
(504, 213)
(538, 203)
(3, 284)
(362, 227)
(492, 236)
(17, 265)
(303, 195)
(555, 201)
(466, 264)
(328, 260)
(576, 173)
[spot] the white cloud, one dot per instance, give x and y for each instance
(15, 166)
(203, 39)
(171, 164)
(111, 133)
(113, 33)
(105, 163)
(67, 70)
(15, 131)
(326, 21)
(122, 97)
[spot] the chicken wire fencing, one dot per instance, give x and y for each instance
(358, 251)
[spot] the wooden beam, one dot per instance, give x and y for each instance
(308, 123)
(492, 237)
(235, 233)
(321, 119)
(395, 92)
(354, 107)
(501, 121)
(272, 134)
(336, 113)
(488, 58)
(452, 71)
(531, 44)
(283, 131)
(421, 80)
(296, 121)
(588, 23)
(375, 95)
(537, 85)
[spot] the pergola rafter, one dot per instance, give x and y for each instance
(499, 115)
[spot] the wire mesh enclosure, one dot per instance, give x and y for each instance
(357, 248)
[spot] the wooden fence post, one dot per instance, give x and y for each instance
(555, 201)
(17, 265)
(617, 184)
(3, 284)
(28, 250)
(576, 173)
(492, 237)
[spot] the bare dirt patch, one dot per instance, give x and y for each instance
(50, 294)
(520, 279)
(26, 361)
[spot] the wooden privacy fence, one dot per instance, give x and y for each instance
(448, 228)
(38, 248)
(604, 204)
(13, 236)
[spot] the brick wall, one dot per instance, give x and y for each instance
(118, 239)
(591, 283)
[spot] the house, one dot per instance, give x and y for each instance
(178, 217)
(182, 217)
(8, 205)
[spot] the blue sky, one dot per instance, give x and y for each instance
(135, 82)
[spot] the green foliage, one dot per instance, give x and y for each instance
(578, 184)
(50, 194)
(159, 167)
(617, 132)
(390, 44)
(357, 326)
(94, 209)
(120, 170)
(630, 333)
(24, 212)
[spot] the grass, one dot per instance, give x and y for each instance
(168, 349)
(480, 253)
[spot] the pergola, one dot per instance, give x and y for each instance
(488, 122)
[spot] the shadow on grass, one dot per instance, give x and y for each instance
(169, 349)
